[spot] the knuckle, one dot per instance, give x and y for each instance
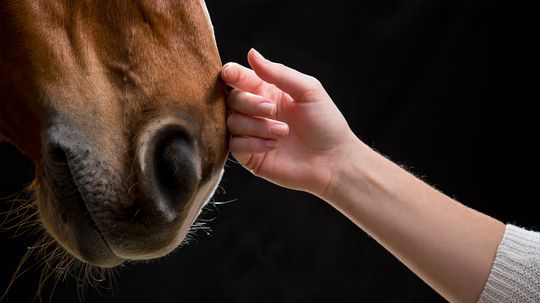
(235, 73)
(241, 75)
(267, 129)
(314, 82)
(281, 66)
(314, 88)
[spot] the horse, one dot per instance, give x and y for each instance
(120, 107)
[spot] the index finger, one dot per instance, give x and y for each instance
(243, 78)
(290, 81)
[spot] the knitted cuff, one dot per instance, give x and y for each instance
(515, 276)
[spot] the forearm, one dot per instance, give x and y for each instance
(450, 246)
(447, 244)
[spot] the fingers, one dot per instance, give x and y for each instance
(250, 104)
(245, 126)
(242, 78)
(265, 72)
(250, 151)
(252, 136)
(293, 82)
(245, 146)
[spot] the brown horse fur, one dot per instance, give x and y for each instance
(100, 79)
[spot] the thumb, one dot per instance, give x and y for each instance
(289, 80)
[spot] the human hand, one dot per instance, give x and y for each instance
(285, 128)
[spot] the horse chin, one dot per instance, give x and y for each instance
(73, 228)
(104, 242)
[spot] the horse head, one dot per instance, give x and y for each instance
(120, 107)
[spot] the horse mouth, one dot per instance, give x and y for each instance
(86, 240)
(105, 210)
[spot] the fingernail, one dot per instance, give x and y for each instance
(267, 108)
(279, 129)
(271, 143)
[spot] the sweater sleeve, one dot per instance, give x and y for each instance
(515, 276)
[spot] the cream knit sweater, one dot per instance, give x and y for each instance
(515, 276)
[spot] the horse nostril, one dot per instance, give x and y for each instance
(175, 170)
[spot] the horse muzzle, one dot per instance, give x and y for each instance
(134, 206)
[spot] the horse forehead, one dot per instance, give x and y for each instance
(116, 11)
(139, 38)
(168, 20)
(116, 26)
(171, 9)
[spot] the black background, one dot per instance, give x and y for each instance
(449, 89)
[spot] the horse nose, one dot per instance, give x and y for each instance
(171, 171)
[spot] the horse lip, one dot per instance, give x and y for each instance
(65, 188)
(95, 227)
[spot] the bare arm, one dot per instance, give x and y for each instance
(450, 246)
(300, 140)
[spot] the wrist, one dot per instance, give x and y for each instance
(349, 164)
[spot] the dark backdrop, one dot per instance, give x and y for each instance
(449, 89)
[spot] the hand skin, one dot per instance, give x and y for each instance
(286, 129)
